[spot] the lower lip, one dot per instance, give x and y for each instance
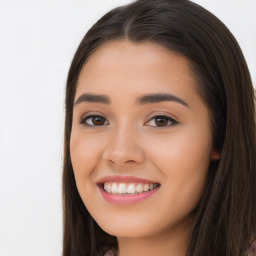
(127, 199)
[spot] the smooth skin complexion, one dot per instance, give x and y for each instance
(138, 115)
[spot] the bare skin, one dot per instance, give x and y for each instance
(138, 114)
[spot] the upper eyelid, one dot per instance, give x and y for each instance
(167, 115)
(84, 116)
(163, 116)
(92, 113)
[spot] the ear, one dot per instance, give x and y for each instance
(215, 155)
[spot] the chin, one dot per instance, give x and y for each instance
(126, 232)
(123, 227)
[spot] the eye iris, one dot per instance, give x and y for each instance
(161, 121)
(97, 120)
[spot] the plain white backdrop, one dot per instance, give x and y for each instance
(37, 41)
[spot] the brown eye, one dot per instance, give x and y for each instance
(94, 121)
(161, 121)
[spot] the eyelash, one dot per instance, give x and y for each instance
(88, 120)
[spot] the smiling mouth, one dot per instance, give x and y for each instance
(125, 190)
(116, 188)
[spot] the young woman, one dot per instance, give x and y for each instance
(159, 137)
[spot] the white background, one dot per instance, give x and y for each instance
(37, 42)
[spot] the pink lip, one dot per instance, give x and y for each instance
(125, 199)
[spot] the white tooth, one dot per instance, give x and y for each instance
(114, 189)
(122, 188)
(151, 186)
(145, 187)
(131, 189)
(106, 187)
(139, 188)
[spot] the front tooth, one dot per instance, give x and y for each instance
(122, 188)
(151, 186)
(139, 188)
(145, 187)
(131, 189)
(114, 188)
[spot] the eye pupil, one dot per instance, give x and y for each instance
(161, 121)
(97, 120)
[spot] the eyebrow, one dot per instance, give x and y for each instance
(160, 97)
(146, 99)
(86, 97)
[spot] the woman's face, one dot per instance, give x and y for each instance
(141, 139)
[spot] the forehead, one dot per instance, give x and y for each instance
(140, 60)
(123, 62)
(114, 49)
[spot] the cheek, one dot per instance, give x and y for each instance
(183, 159)
(85, 153)
(181, 152)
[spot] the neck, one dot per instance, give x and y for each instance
(172, 242)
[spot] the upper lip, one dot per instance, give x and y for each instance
(124, 179)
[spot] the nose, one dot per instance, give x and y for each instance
(123, 148)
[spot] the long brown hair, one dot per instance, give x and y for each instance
(226, 216)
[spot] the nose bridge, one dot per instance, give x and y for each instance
(123, 146)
